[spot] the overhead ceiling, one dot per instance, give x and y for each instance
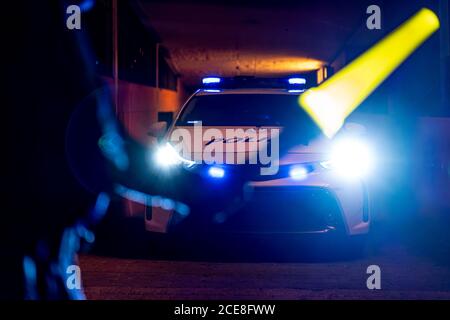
(257, 38)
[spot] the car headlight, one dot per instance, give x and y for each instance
(166, 156)
(350, 158)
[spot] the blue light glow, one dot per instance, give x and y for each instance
(216, 172)
(297, 81)
(298, 172)
(87, 5)
(351, 158)
(211, 80)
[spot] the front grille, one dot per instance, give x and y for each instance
(283, 210)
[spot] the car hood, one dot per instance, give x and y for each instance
(241, 144)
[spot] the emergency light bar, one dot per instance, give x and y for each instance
(293, 84)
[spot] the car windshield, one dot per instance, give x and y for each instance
(239, 110)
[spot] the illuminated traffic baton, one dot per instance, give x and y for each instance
(331, 103)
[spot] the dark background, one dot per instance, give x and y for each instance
(152, 55)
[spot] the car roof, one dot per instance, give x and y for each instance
(205, 92)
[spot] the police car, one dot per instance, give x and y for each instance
(310, 185)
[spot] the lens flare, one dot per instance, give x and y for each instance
(166, 156)
(351, 158)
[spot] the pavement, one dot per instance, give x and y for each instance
(412, 267)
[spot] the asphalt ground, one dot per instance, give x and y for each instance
(128, 263)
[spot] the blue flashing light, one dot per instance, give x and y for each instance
(297, 81)
(211, 80)
(216, 172)
(298, 172)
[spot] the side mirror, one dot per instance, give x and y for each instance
(158, 129)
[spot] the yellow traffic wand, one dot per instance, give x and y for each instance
(331, 103)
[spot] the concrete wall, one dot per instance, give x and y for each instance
(433, 182)
(415, 157)
(139, 105)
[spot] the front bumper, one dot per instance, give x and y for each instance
(282, 209)
(319, 204)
